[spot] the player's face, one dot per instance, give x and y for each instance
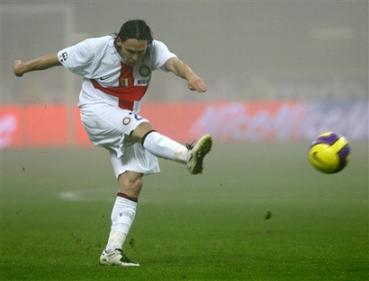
(132, 50)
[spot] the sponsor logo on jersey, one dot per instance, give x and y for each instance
(144, 70)
(142, 82)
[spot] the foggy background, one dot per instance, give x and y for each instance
(245, 50)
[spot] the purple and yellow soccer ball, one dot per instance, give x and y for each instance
(329, 153)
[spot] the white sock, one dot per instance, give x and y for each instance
(116, 240)
(122, 217)
(165, 147)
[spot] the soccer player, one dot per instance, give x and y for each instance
(116, 71)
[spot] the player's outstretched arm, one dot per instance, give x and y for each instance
(44, 62)
(179, 68)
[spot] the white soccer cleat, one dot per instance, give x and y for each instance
(116, 257)
(197, 154)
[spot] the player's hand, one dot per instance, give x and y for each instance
(195, 83)
(17, 68)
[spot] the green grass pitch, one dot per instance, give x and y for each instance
(259, 212)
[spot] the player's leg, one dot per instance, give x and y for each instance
(122, 217)
(129, 170)
(109, 127)
(164, 147)
(159, 144)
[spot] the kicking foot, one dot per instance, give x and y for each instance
(197, 154)
(116, 257)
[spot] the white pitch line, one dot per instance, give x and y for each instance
(70, 196)
(87, 195)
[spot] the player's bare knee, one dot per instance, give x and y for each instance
(136, 182)
(141, 130)
(136, 186)
(131, 183)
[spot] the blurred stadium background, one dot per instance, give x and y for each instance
(311, 53)
(279, 72)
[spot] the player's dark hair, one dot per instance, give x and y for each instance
(135, 29)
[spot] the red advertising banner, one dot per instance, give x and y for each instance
(59, 125)
(11, 133)
(33, 126)
(175, 120)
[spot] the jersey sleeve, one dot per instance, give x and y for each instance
(78, 58)
(161, 54)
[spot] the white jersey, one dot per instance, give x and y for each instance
(106, 78)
